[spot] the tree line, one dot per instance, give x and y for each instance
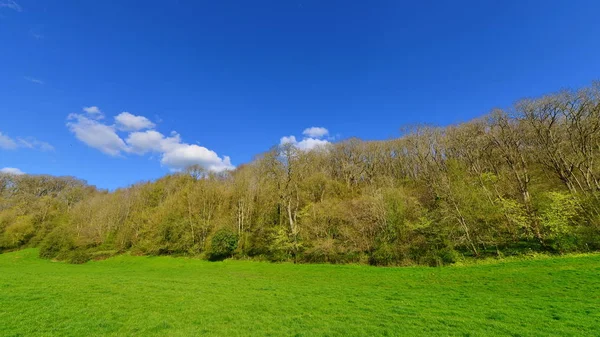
(516, 181)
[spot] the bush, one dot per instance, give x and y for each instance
(441, 257)
(58, 242)
(103, 254)
(383, 255)
(18, 233)
(78, 256)
(325, 251)
(222, 245)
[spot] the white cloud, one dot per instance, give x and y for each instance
(184, 155)
(11, 170)
(10, 4)
(95, 134)
(287, 140)
(311, 143)
(315, 132)
(7, 143)
(34, 80)
(144, 142)
(307, 143)
(128, 122)
(174, 153)
(93, 112)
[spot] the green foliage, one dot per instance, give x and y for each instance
(18, 232)
(441, 257)
(383, 255)
(58, 242)
(282, 246)
(222, 244)
(559, 212)
(327, 250)
(78, 256)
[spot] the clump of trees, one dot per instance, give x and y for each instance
(521, 180)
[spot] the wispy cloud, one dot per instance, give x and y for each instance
(8, 143)
(36, 35)
(34, 80)
(32, 143)
(10, 4)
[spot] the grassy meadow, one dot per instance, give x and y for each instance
(166, 296)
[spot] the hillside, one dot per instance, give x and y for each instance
(518, 180)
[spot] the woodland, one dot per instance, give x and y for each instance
(517, 181)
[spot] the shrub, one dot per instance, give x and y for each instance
(78, 256)
(58, 242)
(441, 257)
(383, 255)
(560, 214)
(19, 232)
(222, 245)
(323, 251)
(103, 254)
(281, 247)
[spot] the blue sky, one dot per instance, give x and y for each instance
(217, 82)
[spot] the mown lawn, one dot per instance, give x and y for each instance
(163, 296)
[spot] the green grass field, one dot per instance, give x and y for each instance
(163, 296)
